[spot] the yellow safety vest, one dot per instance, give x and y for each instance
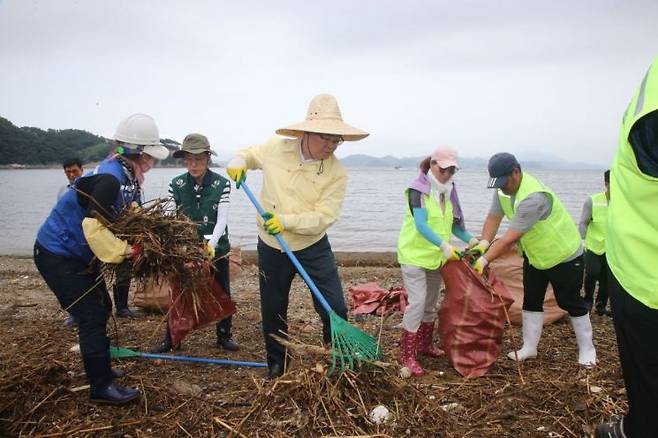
(631, 243)
(413, 248)
(595, 236)
(550, 241)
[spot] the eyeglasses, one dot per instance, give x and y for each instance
(451, 170)
(337, 139)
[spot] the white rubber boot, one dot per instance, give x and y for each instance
(533, 322)
(583, 328)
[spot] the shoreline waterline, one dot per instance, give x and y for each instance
(343, 258)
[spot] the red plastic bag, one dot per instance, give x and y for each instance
(370, 298)
(215, 306)
(472, 318)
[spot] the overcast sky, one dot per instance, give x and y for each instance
(483, 76)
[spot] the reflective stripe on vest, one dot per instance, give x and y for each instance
(550, 241)
(413, 248)
(595, 236)
(631, 242)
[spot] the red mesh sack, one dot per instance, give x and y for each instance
(370, 298)
(472, 318)
(190, 311)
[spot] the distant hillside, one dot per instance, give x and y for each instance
(33, 146)
(360, 160)
(527, 160)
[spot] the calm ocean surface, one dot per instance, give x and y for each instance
(372, 212)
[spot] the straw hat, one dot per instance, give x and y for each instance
(323, 117)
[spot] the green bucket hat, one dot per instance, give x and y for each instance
(194, 144)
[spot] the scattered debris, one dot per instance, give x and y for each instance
(380, 414)
(44, 390)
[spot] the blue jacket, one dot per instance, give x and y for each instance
(62, 234)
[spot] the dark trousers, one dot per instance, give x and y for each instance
(276, 275)
(70, 279)
(566, 279)
(636, 326)
(223, 278)
(596, 270)
(122, 287)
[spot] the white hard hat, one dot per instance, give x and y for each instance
(141, 130)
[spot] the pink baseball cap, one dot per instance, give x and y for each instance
(445, 157)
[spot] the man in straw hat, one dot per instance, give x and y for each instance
(303, 190)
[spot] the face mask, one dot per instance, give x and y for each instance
(142, 165)
(438, 187)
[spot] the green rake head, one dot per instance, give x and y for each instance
(122, 353)
(350, 347)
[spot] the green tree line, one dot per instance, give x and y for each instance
(34, 146)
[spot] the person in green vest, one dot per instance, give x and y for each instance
(203, 196)
(631, 249)
(432, 217)
(592, 228)
(551, 247)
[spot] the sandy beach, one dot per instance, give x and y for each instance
(43, 390)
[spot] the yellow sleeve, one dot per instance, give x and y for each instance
(325, 213)
(254, 155)
(102, 242)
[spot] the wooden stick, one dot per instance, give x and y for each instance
(76, 430)
(229, 427)
(41, 402)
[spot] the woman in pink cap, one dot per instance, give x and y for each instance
(432, 217)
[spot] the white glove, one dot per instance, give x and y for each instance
(480, 264)
(450, 252)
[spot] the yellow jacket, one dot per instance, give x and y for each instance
(307, 201)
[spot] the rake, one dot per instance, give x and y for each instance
(349, 345)
(124, 353)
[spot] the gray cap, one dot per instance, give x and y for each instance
(194, 144)
(501, 166)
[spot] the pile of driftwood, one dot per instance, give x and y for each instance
(170, 250)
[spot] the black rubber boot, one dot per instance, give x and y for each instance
(103, 389)
(166, 345)
(274, 371)
(224, 338)
(113, 394)
(98, 370)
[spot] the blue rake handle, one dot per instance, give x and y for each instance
(293, 257)
(203, 360)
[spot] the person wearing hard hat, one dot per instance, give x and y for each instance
(72, 238)
(203, 196)
(552, 252)
(631, 249)
(592, 228)
(433, 215)
(303, 189)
